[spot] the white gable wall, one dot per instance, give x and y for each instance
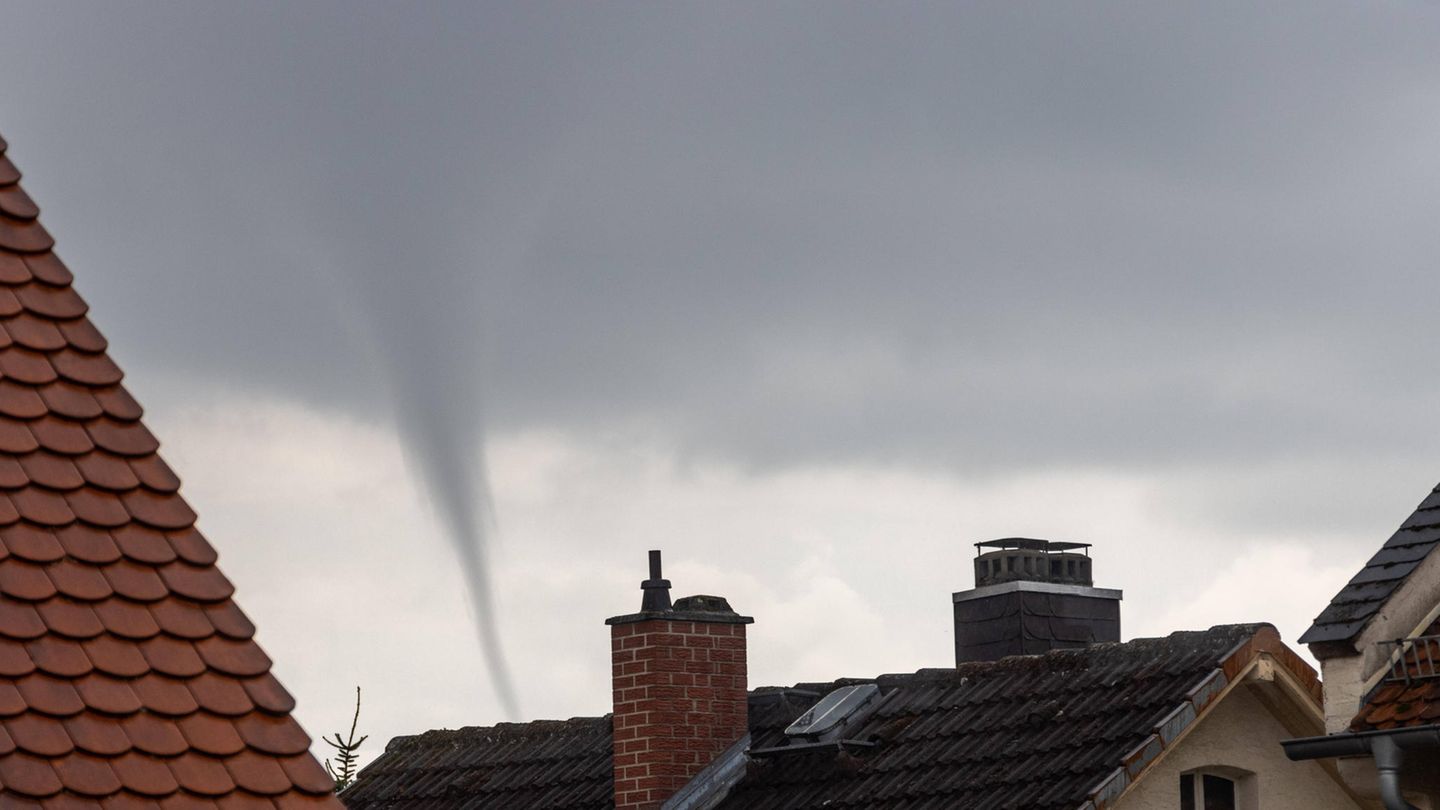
(1240, 735)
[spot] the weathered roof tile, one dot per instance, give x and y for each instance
(1362, 598)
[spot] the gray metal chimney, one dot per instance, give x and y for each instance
(1030, 597)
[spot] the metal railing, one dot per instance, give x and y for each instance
(1416, 659)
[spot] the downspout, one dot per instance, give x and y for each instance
(1386, 747)
(1389, 758)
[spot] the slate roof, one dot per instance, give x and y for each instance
(549, 764)
(1358, 602)
(1059, 730)
(1395, 703)
(127, 673)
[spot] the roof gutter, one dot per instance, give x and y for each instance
(1387, 747)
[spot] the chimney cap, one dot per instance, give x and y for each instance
(655, 604)
(1030, 544)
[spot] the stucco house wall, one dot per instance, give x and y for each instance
(1240, 738)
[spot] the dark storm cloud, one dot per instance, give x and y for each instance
(979, 238)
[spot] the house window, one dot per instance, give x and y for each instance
(1207, 791)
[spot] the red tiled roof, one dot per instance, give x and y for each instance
(1396, 703)
(128, 676)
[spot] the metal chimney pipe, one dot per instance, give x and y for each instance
(656, 590)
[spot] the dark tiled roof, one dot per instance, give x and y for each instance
(126, 670)
(1049, 731)
(549, 764)
(1035, 732)
(1394, 702)
(1359, 601)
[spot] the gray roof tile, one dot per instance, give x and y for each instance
(1358, 602)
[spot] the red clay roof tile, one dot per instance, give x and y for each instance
(23, 365)
(123, 660)
(220, 694)
(106, 694)
(154, 473)
(165, 695)
(202, 774)
(85, 368)
(20, 401)
(28, 775)
(83, 335)
(306, 774)
(40, 334)
(126, 619)
(48, 268)
(182, 619)
(97, 508)
(19, 620)
(123, 438)
(61, 435)
(8, 513)
(30, 542)
(16, 203)
(117, 402)
(43, 693)
(272, 735)
(256, 773)
(9, 304)
(87, 775)
(143, 544)
(39, 734)
(172, 656)
(13, 269)
(160, 511)
(24, 580)
(97, 734)
(24, 236)
(201, 583)
(108, 472)
(52, 302)
(50, 470)
(70, 618)
(243, 659)
(12, 475)
(144, 774)
(212, 734)
(116, 656)
(11, 702)
(88, 544)
(154, 734)
(132, 580)
(229, 620)
(16, 438)
(59, 656)
(42, 506)
(69, 400)
(79, 580)
(192, 546)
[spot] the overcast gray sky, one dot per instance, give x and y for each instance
(810, 295)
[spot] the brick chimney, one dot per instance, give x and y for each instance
(678, 676)
(1030, 597)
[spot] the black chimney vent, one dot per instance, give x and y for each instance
(655, 590)
(1032, 596)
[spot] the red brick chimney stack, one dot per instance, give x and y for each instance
(678, 675)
